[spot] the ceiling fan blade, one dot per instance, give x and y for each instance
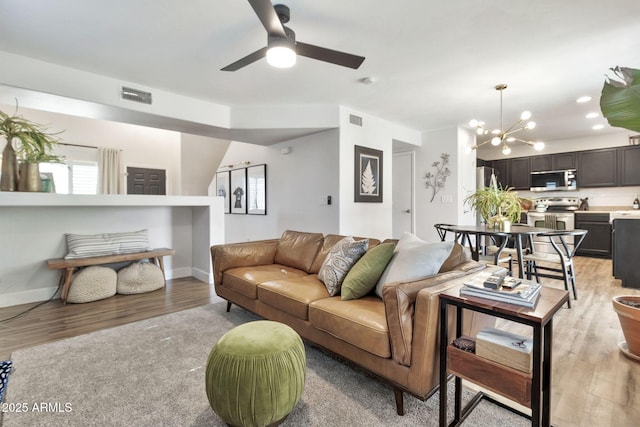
(249, 59)
(329, 55)
(268, 16)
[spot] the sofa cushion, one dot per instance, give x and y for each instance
(361, 323)
(329, 242)
(244, 280)
(298, 250)
(363, 276)
(414, 259)
(339, 261)
(293, 296)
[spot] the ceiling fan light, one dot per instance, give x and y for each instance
(281, 56)
(526, 115)
(495, 141)
(538, 146)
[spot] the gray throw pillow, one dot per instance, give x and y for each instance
(339, 261)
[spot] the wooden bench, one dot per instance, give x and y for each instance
(70, 265)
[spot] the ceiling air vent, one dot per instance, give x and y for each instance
(355, 120)
(136, 95)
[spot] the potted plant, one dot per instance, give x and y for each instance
(499, 207)
(628, 309)
(33, 146)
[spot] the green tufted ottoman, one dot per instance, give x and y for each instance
(255, 374)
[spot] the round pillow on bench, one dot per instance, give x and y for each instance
(140, 277)
(92, 284)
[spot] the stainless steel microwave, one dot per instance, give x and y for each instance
(561, 180)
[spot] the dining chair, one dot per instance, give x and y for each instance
(510, 247)
(443, 229)
(497, 252)
(538, 263)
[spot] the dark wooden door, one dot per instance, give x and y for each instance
(146, 181)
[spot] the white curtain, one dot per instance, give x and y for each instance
(110, 169)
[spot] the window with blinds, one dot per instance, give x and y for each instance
(74, 177)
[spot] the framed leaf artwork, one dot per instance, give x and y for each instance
(367, 175)
(257, 190)
(238, 190)
(222, 189)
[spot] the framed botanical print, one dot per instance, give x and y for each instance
(257, 190)
(222, 189)
(238, 190)
(367, 175)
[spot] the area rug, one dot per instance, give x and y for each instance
(151, 373)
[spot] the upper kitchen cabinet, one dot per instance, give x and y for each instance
(553, 162)
(502, 171)
(628, 165)
(597, 168)
(519, 173)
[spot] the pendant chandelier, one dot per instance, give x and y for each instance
(503, 136)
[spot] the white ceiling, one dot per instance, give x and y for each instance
(435, 63)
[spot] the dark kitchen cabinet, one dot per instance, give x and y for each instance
(626, 233)
(597, 242)
(502, 171)
(629, 165)
(597, 168)
(519, 173)
(553, 162)
(541, 163)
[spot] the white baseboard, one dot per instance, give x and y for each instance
(202, 275)
(177, 273)
(26, 297)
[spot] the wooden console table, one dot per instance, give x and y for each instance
(531, 390)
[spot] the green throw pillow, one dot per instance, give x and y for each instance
(362, 278)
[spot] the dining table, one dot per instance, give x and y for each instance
(518, 232)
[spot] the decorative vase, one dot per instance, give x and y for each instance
(9, 176)
(29, 177)
(628, 309)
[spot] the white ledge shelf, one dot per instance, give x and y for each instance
(8, 199)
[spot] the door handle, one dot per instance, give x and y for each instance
(407, 211)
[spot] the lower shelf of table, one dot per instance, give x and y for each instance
(501, 379)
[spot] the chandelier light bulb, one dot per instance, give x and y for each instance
(530, 125)
(496, 131)
(511, 139)
(495, 141)
(526, 115)
(480, 131)
(506, 150)
(473, 123)
(538, 146)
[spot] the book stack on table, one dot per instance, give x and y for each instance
(506, 289)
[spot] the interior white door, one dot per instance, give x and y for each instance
(403, 191)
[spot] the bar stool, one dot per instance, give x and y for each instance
(563, 257)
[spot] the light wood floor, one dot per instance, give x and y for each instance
(593, 383)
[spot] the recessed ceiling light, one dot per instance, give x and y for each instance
(597, 127)
(583, 99)
(592, 115)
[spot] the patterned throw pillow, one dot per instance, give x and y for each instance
(5, 370)
(90, 245)
(339, 261)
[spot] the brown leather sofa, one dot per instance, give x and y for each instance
(395, 338)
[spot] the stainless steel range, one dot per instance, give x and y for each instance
(556, 213)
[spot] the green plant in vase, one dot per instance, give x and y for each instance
(496, 205)
(34, 145)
